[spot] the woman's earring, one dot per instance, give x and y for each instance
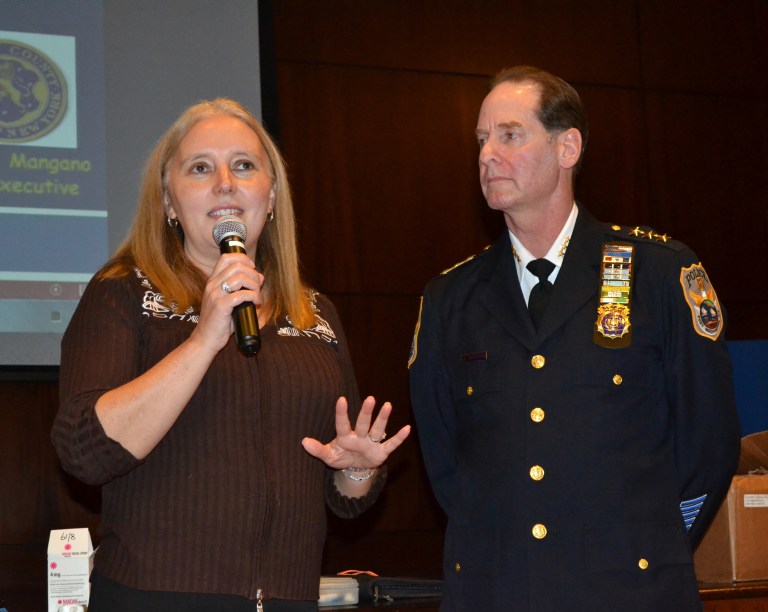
(172, 223)
(271, 213)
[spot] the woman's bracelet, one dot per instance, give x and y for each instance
(358, 474)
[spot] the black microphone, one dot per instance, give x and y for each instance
(229, 233)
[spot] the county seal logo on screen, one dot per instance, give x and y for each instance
(33, 93)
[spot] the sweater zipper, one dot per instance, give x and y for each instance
(269, 489)
(260, 549)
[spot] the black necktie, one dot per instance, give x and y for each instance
(537, 301)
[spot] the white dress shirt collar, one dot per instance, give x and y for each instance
(555, 254)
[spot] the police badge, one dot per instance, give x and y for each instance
(612, 320)
(701, 298)
(613, 328)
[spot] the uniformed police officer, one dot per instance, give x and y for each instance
(580, 449)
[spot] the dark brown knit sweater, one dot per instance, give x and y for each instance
(229, 501)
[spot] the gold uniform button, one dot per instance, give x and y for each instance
(643, 564)
(615, 228)
(539, 531)
(537, 415)
(470, 390)
(538, 361)
(537, 472)
(617, 379)
(458, 568)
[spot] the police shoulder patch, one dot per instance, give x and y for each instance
(701, 298)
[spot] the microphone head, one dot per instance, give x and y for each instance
(229, 225)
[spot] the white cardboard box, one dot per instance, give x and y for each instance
(70, 561)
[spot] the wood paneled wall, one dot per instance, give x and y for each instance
(35, 494)
(377, 106)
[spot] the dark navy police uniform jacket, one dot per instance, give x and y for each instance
(575, 477)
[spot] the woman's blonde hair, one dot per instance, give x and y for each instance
(157, 249)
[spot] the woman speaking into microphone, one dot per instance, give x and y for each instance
(214, 477)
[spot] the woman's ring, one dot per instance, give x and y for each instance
(225, 287)
(383, 437)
